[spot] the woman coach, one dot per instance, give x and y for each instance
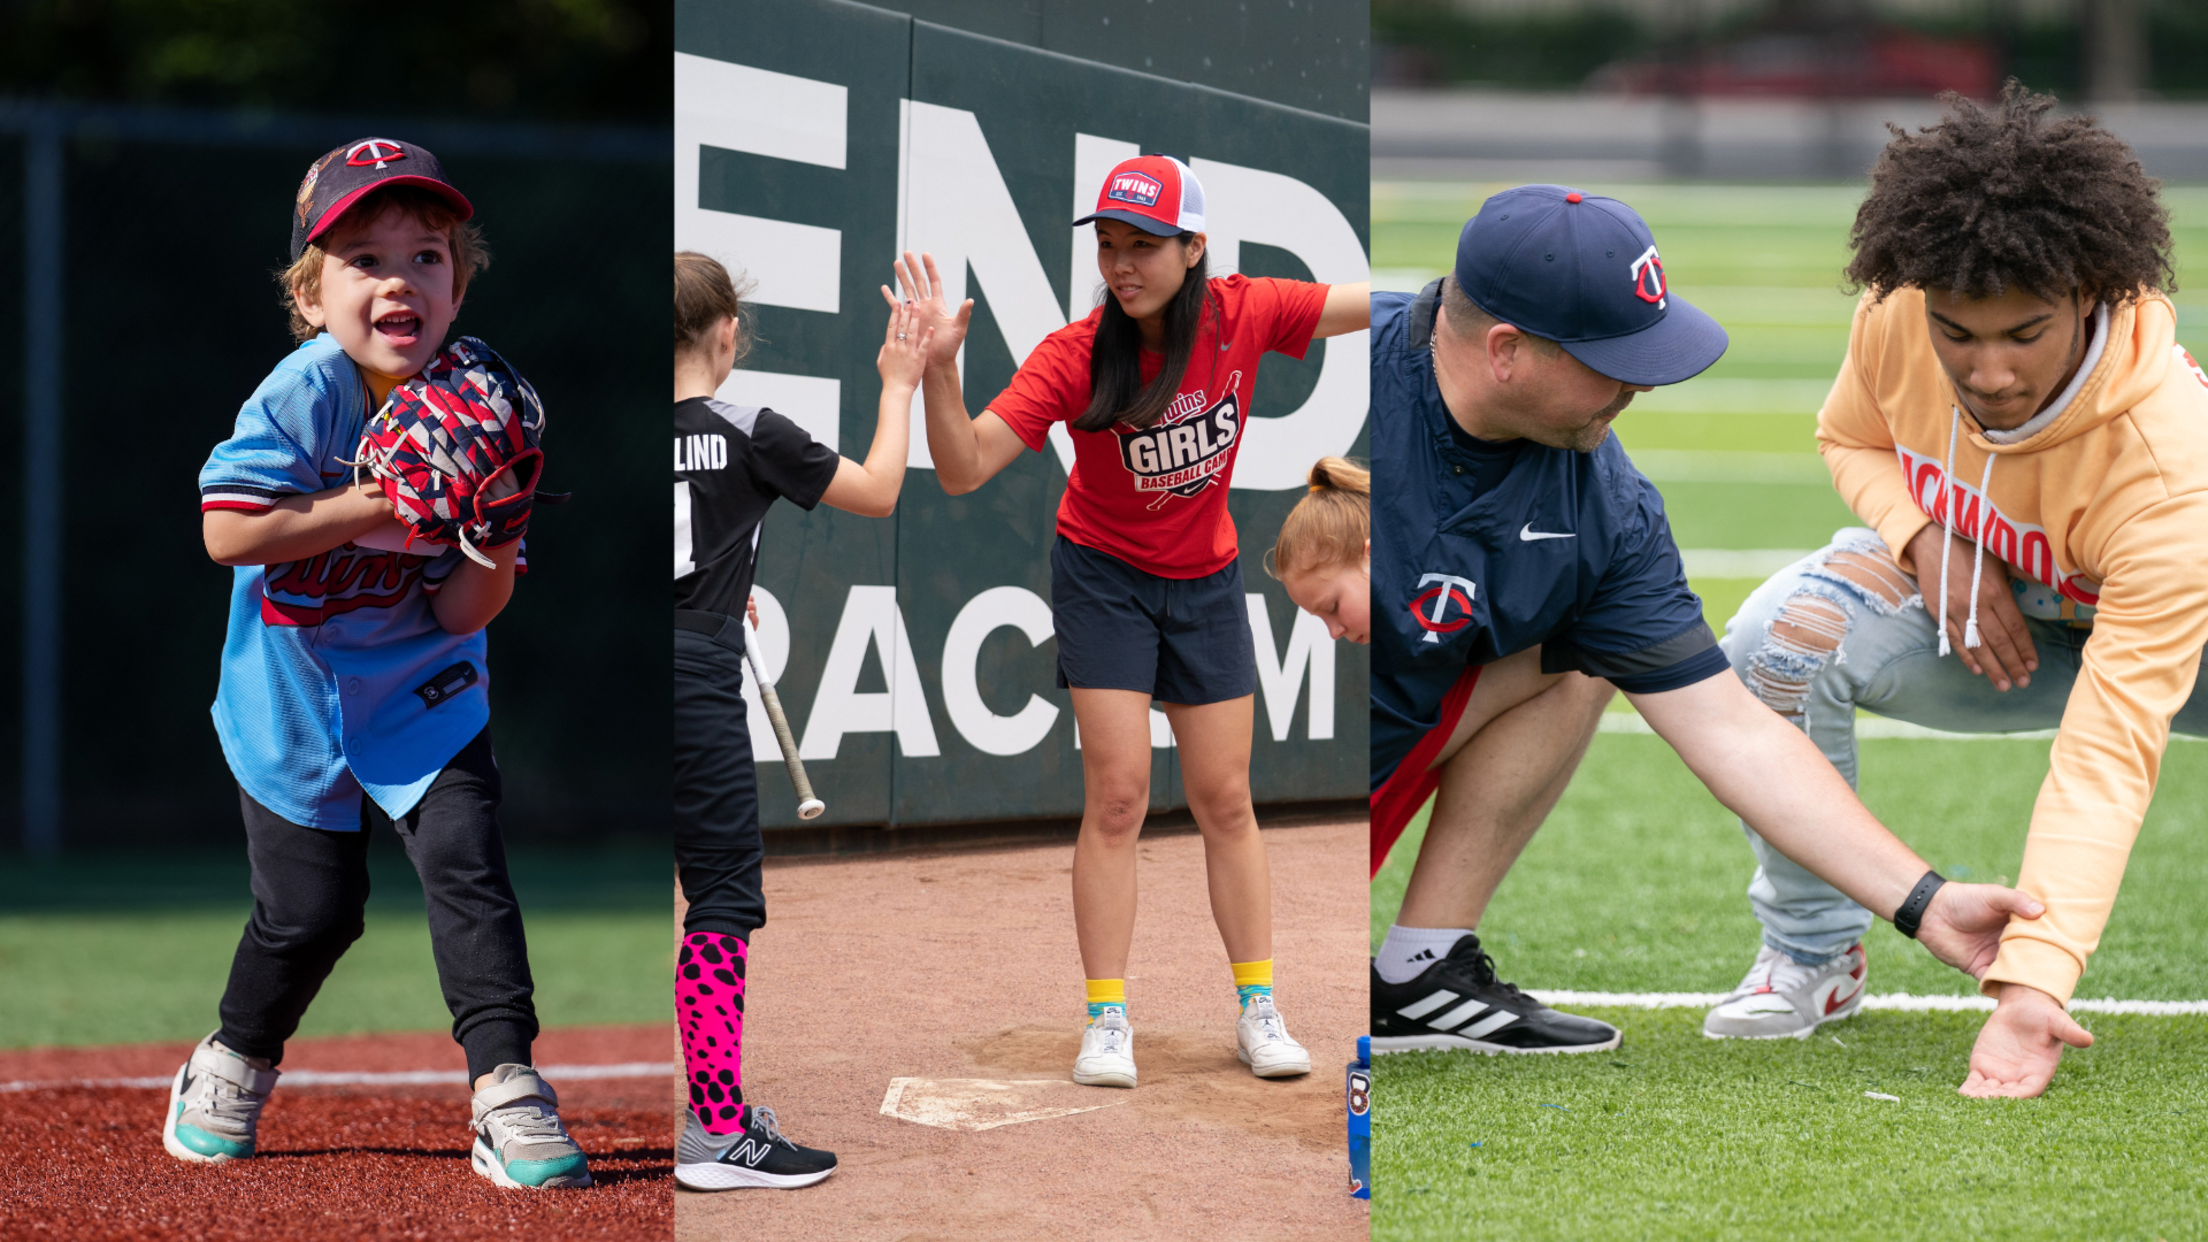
(1146, 585)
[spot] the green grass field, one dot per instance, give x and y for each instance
(103, 949)
(1637, 882)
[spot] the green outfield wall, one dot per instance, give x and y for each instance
(815, 140)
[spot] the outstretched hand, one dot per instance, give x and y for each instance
(1962, 926)
(924, 289)
(904, 353)
(2020, 1045)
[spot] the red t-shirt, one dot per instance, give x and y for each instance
(1157, 498)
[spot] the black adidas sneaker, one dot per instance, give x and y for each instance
(759, 1156)
(1458, 1003)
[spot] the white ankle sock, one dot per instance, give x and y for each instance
(1408, 951)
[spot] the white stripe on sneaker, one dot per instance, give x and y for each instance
(1459, 1016)
(1494, 1022)
(1421, 1008)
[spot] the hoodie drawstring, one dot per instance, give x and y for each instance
(1978, 556)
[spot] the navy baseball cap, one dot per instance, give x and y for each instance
(339, 179)
(1582, 270)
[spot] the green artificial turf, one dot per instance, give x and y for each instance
(1674, 1136)
(106, 950)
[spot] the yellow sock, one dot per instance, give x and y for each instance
(1104, 992)
(1253, 979)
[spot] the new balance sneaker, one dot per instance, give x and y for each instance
(1262, 1042)
(519, 1141)
(1107, 1051)
(1457, 1003)
(756, 1156)
(1780, 997)
(215, 1105)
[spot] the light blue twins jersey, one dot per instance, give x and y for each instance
(336, 677)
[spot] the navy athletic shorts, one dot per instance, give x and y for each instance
(1178, 640)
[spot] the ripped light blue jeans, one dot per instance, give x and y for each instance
(1845, 628)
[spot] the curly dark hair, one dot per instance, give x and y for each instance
(1992, 198)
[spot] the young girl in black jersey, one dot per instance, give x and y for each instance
(733, 463)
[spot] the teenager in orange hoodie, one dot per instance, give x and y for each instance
(2028, 445)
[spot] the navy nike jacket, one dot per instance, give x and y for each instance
(1569, 551)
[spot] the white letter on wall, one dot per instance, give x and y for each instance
(1281, 678)
(870, 617)
(982, 616)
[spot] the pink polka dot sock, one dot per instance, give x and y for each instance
(709, 1009)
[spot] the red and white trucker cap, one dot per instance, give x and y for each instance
(1155, 193)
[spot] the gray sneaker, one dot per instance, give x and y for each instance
(215, 1105)
(519, 1141)
(1781, 998)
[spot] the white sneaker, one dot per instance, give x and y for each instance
(1781, 997)
(215, 1105)
(1262, 1042)
(1107, 1051)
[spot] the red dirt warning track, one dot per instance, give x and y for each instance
(336, 1163)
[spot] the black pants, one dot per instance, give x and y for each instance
(717, 845)
(309, 890)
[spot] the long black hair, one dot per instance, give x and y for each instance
(1116, 391)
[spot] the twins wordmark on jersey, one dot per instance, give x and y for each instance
(309, 592)
(1187, 450)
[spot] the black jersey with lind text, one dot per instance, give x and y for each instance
(731, 464)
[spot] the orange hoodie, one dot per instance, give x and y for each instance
(2106, 504)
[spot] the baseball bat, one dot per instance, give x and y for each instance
(808, 806)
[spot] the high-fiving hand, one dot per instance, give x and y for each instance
(924, 289)
(904, 353)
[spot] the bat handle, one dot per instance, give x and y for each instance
(808, 805)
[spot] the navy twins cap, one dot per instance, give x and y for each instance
(1582, 270)
(339, 179)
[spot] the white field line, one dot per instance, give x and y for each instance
(1738, 562)
(1899, 1001)
(389, 1078)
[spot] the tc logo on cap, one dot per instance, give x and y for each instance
(1648, 278)
(1134, 187)
(376, 151)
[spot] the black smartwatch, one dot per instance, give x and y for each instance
(1911, 912)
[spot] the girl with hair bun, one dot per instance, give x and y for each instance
(1323, 557)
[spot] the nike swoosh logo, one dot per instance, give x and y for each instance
(1529, 534)
(1839, 1000)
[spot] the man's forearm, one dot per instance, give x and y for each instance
(1771, 775)
(295, 528)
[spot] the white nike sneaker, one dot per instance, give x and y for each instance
(1780, 997)
(1107, 1051)
(1262, 1042)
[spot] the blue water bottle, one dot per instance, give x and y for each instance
(1360, 1120)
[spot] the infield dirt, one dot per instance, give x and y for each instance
(962, 964)
(336, 1162)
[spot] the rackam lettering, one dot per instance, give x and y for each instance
(2021, 544)
(311, 591)
(701, 452)
(1187, 450)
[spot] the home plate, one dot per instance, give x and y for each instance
(986, 1103)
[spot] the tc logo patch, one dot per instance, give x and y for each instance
(1451, 589)
(1136, 188)
(1648, 278)
(377, 151)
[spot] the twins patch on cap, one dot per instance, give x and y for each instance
(1156, 193)
(340, 178)
(1583, 270)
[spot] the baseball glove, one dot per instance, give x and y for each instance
(455, 449)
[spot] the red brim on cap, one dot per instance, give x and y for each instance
(338, 209)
